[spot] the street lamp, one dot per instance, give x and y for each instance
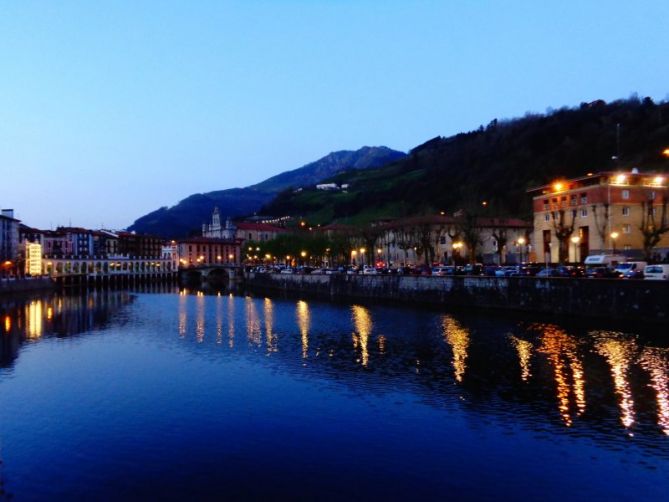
(575, 240)
(614, 236)
(521, 243)
(665, 153)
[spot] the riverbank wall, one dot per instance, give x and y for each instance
(25, 285)
(613, 299)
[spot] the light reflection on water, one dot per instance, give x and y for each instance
(607, 386)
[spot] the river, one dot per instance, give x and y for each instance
(169, 394)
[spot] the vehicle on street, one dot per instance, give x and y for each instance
(473, 269)
(369, 270)
(631, 269)
(287, 270)
(507, 271)
(658, 272)
(602, 273)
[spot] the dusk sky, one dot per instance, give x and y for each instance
(109, 110)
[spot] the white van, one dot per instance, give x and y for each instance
(657, 272)
(631, 268)
(604, 260)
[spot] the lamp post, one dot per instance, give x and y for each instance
(575, 240)
(521, 244)
(614, 236)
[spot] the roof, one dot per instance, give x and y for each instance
(594, 176)
(263, 227)
(208, 240)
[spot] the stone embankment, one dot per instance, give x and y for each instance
(615, 299)
(25, 285)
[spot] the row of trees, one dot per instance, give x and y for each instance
(422, 235)
(653, 224)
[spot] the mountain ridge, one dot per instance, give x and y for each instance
(188, 214)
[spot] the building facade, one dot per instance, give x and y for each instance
(606, 212)
(9, 236)
(201, 251)
(255, 231)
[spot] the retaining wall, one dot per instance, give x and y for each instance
(628, 300)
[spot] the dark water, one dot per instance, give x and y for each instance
(134, 395)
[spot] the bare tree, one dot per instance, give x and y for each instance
(602, 222)
(563, 231)
(501, 238)
(653, 228)
(470, 231)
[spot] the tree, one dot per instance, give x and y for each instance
(501, 238)
(602, 222)
(470, 231)
(653, 228)
(563, 231)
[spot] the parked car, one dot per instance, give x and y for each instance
(369, 270)
(656, 272)
(441, 271)
(529, 269)
(491, 270)
(602, 273)
(287, 270)
(558, 271)
(507, 271)
(632, 269)
(473, 269)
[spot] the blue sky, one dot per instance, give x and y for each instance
(111, 109)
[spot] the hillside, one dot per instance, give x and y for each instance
(191, 212)
(496, 163)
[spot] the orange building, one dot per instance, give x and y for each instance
(606, 212)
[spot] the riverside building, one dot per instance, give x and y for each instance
(606, 212)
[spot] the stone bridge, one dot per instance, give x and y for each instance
(228, 274)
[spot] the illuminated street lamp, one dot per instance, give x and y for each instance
(521, 244)
(614, 236)
(665, 153)
(576, 240)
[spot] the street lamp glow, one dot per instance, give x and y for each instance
(558, 186)
(665, 152)
(521, 241)
(362, 250)
(614, 235)
(303, 254)
(576, 239)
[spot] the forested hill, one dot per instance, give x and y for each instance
(189, 214)
(496, 163)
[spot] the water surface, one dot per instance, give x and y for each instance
(118, 394)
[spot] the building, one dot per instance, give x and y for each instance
(33, 258)
(604, 212)
(139, 246)
(255, 231)
(9, 236)
(200, 251)
(215, 230)
(437, 239)
(80, 240)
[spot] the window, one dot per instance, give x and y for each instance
(584, 198)
(626, 194)
(547, 217)
(626, 211)
(584, 213)
(652, 195)
(572, 199)
(627, 247)
(627, 228)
